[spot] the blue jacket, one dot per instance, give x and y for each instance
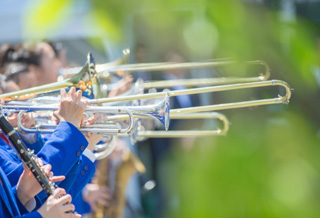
(63, 151)
(10, 206)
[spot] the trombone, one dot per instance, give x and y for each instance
(103, 150)
(280, 99)
(87, 80)
(164, 113)
(193, 112)
(211, 81)
(141, 135)
(184, 113)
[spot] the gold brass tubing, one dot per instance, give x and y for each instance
(209, 81)
(189, 133)
(220, 88)
(179, 133)
(197, 82)
(75, 80)
(33, 92)
(174, 65)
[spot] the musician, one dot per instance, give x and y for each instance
(47, 66)
(20, 200)
(21, 74)
(38, 64)
(64, 148)
(94, 194)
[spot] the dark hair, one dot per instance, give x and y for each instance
(12, 70)
(57, 48)
(21, 55)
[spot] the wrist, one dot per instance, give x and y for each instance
(24, 198)
(75, 123)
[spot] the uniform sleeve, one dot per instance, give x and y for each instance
(64, 148)
(84, 176)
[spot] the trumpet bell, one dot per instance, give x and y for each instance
(105, 149)
(162, 112)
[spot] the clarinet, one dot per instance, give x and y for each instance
(26, 155)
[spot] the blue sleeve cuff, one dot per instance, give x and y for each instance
(34, 214)
(21, 207)
(37, 145)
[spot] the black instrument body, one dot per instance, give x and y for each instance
(26, 155)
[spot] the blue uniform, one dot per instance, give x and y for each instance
(63, 151)
(10, 206)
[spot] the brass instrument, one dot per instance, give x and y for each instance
(211, 81)
(184, 112)
(188, 133)
(130, 164)
(85, 79)
(279, 100)
(158, 111)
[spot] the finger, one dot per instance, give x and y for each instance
(65, 199)
(103, 202)
(46, 169)
(105, 196)
(26, 170)
(78, 96)
(58, 192)
(63, 93)
(91, 120)
(72, 215)
(40, 162)
(56, 117)
(93, 206)
(104, 189)
(68, 208)
(89, 134)
(57, 178)
(71, 93)
(24, 117)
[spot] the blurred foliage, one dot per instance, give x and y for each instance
(45, 17)
(265, 168)
(268, 165)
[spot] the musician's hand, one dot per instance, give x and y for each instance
(92, 138)
(71, 107)
(12, 119)
(58, 205)
(121, 87)
(96, 194)
(27, 120)
(28, 186)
